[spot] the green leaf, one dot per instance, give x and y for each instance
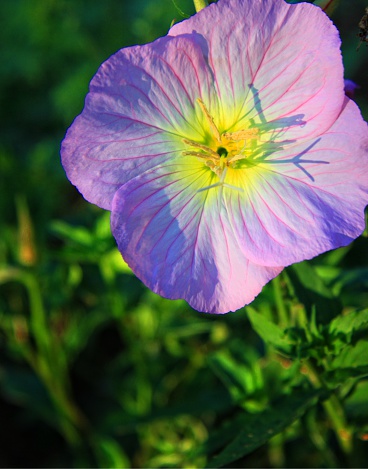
(327, 6)
(110, 454)
(112, 263)
(23, 388)
(349, 323)
(221, 436)
(352, 356)
(350, 280)
(342, 375)
(240, 378)
(76, 234)
(216, 400)
(294, 2)
(267, 330)
(259, 428)
(356, 404)
(334, 257)
(102, 227)
(311, 291)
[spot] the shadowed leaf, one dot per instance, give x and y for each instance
(310, 290)
(259, 428)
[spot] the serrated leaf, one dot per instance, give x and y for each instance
(259, 428)
(267, 330)
(352, 356)
(349, 323)
(341, 375)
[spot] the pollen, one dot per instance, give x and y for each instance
(223, 150)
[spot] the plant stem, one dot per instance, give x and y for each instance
(200, 4)
(276, 452)
(334, 410)
(45, 358)
(283, 319)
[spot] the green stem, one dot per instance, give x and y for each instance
(45, 359)
(200, 4)
(283, 318)
(71, 420)
(276, 452)
(318, 438)
(334, 410)
(49, 366)
(38, 315)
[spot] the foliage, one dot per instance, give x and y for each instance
(97, 371)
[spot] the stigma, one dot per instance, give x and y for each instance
(224, 150)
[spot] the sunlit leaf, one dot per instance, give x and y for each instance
(110, 454)
(352, 356)
(77, 234)
(349, 323)
(269, 331)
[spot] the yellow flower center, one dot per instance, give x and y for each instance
(224, 149)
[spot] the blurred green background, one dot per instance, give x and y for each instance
(95, 370)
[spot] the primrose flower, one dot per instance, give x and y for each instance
(225, 151)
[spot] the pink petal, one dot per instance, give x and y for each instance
(272, 62)
(179, 242)
(254, 63)
(307, 198)
(140, 106)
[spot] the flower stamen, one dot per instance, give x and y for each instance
(222, 151)
(210, 120)
(242, 134)
(205, 148)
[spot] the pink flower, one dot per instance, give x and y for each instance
(225, 150)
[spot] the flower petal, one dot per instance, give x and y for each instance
(305, 199)
(140, 105)
(178, 241)
(274, 63)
